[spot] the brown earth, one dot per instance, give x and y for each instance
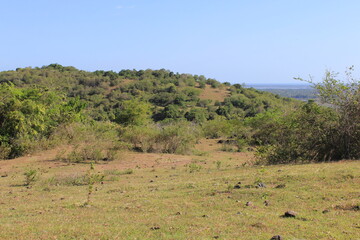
(207, 151)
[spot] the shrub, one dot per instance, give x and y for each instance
(174, 137)
(30, 114)
(219, 127)
(177, 137)
(308, 134)
(141, 138)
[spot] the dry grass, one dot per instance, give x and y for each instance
(214, 94)
(162, 199)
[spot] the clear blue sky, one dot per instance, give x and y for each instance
(240, 41)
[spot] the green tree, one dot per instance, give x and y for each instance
(28, 114)
(133, 112)
(344, 97)
(197, 115)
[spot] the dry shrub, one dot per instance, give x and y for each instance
(175, 137)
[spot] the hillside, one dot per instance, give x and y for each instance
(104, 91)
(159, 111)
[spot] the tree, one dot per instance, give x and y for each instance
(344, 97)
(133, 112)
(29, 114)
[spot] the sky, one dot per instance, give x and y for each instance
(238, 41)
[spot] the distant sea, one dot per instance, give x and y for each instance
(278, 86)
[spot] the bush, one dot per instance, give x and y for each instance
(219, 127)
(31, 114)
(178, 137)
(174, 137)
(308, 134)
(141, 138)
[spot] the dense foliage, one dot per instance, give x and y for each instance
(29, 114)
(162, 111)
(171, 95)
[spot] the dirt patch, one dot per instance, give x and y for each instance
(214, 94)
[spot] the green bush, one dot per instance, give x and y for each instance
(141, 138)
(219, 127)
(308, 134)
(31, 114)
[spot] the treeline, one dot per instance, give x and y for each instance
(162, 111)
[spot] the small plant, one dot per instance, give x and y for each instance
(117, 172)
(193, 167)
(30, 176)
(218, 165)
(265, 196)
(92, 178)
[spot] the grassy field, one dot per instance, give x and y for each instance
(154, 196)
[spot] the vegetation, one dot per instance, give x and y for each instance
(41, 105)
(162, 202)
(165, 112)
(300, 94)
(172, 148)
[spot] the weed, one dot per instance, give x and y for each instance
(218, 165)
(92, 178)
(117, 172)
(193, 167)
(31, 176)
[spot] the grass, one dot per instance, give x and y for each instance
(167, 202)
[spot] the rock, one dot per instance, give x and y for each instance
(260, 185)
(237, 186)
(290, 214)
(276, 237)
(249, 204)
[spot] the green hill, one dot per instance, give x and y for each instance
(169, 93)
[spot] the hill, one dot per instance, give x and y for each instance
(104, 91)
